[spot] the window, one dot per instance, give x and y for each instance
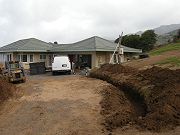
(9, 57)
(18, 58)
(31, 58)
(24, 58)
(42, 57)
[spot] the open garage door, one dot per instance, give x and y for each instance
(86, 58)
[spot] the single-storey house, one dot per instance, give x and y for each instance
(95, 51)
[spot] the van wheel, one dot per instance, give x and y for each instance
(68, 73)
(24, 80)
(53, 73)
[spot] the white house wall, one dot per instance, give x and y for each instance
(3, 57)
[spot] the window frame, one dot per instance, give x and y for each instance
(30, 58)
(42, 57)
(9, 57)
(22, 59)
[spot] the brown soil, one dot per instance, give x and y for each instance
(8, 90)
(117, 109)
(54, 105)
(1, 67)
(151, 97)
(163, 98)
(69, 105)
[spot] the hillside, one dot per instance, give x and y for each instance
(164, 29)
(166, 56)
(165, 33)
(165, 38)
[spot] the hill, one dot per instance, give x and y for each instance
(164, 56)
(166, 38)
(164, 29)
(165, 33)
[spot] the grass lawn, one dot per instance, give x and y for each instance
(175, 61)
(165, 48)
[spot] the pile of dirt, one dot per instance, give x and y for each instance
(151, 97)
(116, 108)
(8, 90)
(162, 99)
(116, 69)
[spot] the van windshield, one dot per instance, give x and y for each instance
(62, 58)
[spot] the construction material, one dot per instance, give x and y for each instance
(13, 72)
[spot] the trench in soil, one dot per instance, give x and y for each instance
(137, 101)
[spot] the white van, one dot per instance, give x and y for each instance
(61, 64)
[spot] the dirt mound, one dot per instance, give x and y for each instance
(163, 98)
(116, 69)
(153, 95)
(8, 90)
(116, 108)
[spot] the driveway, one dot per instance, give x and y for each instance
(54, 105)
(59, 105)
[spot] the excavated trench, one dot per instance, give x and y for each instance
(147, 99)
(135, 99)
(131, 94)
(121, 106)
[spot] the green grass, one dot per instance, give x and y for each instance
(175, 61)
(166, 48)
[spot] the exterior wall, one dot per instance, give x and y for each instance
(97, 58)
(102, 58)
(36, 58)
(3, 57)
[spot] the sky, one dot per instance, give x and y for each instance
(68, 21)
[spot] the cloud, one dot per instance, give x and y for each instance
(72, 20)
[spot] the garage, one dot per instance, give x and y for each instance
(81, 60)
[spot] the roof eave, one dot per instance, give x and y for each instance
(95, 50)
(8, 51)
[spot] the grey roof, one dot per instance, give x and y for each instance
(27, 45)
(91, 44)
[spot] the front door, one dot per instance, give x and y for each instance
(50, 59)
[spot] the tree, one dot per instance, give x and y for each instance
(131, 41)
(145, 42)
(178, 34)
(176, 38)
(148, 39)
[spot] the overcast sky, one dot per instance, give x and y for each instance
(68, 21)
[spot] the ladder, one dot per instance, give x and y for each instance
(118, 54)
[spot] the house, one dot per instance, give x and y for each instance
(26, 51)
(93, 51)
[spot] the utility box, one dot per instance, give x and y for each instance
(121, 51)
